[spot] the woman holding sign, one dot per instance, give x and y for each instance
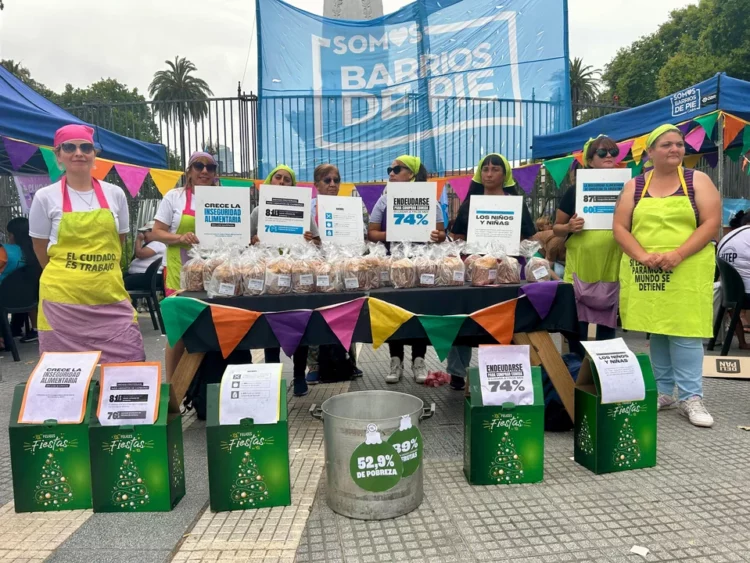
(404, 169)
(78, 226)
(664, 222)
(592, 262)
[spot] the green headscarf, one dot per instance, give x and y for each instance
(413, 163)
(509, 181)
(659, 131)
(282, 167)
(586, 148)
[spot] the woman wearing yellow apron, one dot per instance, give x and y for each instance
(174, 225)
(592, 262)
(78, 226)
(664, 222)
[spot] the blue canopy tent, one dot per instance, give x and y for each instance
(28, 116)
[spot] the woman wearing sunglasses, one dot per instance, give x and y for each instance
(78, 226)
(592, 262)
(404, 169)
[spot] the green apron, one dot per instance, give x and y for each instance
(678, 303)
(177, 253)
(593, 256)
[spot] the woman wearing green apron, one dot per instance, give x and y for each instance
(664, 222)
(174, 225)
(592, 262)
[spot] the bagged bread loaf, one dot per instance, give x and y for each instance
(508, 270)
(327, 270)
(403, 272)
(426, 266)
(537, 269)
(450, 268)
(210, 264)
(378, 255)
(484, 271)
(226, 280)
(253, 272)
(278, 278)
(354, 270)
(303, 275)
(191, 275)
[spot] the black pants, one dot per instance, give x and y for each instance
(602, 333)
(137, 282)
(273, 356)
(417, 350)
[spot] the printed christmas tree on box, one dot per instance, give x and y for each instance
(617, 436)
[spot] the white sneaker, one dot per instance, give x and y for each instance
(665, 402)
(694, 409)
(397, 371)
(419, 369)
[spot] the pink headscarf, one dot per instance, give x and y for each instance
(74, 132)
(200, 154)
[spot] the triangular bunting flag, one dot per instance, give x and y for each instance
(691, 160)
(460, 186)
(440, 186)
(345, 190)
(231, 325)
(579, 157)
(639, 145)
(712, 159)
(732, 127)
(624, 150)
(385, 319)
(288, 327)
(178, 314)
(50, 159)
(746, 139)
(734, 153)
(101, 168)
(684, 127)
(342, 319)
(526, 176)
(442, 331)
(18, 153)
(636, 167)
(228, 182)
(165, 180)
(541, 295)
(558, 168)
(708, 122)
(370, 194)
(132, 177)
(695, 138)
(499, 320)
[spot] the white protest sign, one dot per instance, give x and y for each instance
(340, 219)
(496, 219)
(596, 196)
(58, 388)
(222, 214)
(250, 391)
(129, 393)
(505, 375)
(620, 376)
(283, 214)
(412, 209)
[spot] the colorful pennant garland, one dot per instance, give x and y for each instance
(541, 295)
(231, 325)
(18, 153)
(370, 194)
(101, 168)
(460, 186)
(442, 331)
(289, 327)
(558, 168)
(165, 180)
(385, 319)
(342, 319)
(178, 314)
(498, 320)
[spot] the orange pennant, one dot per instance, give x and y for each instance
(499, 320)
(231, 324)
(579, 158)
(732, 128)
(101, 168)
(440, 186)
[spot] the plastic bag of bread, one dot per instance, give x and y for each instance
(253, 272)
(354, 270)
(214, 258)
(537, 269)
(508, 270)
(191, 275)
(471, 253)
(450, 268)
(380, 265)
(278, 278)
(226, 279)
(403, 272)
(303, 275)
(327, 270)
(484, 271)
(426, 265)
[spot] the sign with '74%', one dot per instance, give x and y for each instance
(412, 208)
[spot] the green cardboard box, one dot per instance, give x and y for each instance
(50, 462)
(503, 444)
(617, 436)
(248, 464)
(138, 468)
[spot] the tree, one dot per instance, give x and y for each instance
(23, 73)
(181, 95)
(584, 82)
(626, 453)
(249, 488)
(130, 491)
(53, 488)
(584, 437)
(507, 466)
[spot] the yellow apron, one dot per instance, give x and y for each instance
(593, 256)
(678, 303)
(177, 253)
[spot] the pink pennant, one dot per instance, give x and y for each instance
(342, 319)
(695, 138)
(132, 177)
(461, 186)
(624, 150)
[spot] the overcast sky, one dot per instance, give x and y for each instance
(80, 41)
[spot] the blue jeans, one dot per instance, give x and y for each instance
(459, 359)
(678, 360)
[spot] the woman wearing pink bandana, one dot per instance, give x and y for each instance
(78, 226)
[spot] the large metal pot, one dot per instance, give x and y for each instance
(346, 420)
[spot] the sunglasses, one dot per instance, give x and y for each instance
(70, 148)
(332, 180)
(395, 169)
(602, 153)
(199, 166)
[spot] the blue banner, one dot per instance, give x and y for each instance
(446, 80)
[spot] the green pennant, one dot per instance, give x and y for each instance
(558, 168)
(746, 139)
(708, 122)
(178, 314)
(236, 183)
(636, 167)
(442, 331)
(734, 153)
(50, 159)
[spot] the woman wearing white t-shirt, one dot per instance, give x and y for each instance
(78, 226)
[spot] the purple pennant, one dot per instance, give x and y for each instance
(526, 176)
(712, 158)
(18, 153)
(289, 326)
(684, 127)
(541, 295)
(370, 194)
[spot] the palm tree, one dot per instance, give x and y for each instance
(181, 94)
(17, 69)
(584, 82)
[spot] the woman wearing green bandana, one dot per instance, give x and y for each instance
(664, 222)
(592, 262)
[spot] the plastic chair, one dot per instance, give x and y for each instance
(150, 295)
(733, 297)
(19, 293)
